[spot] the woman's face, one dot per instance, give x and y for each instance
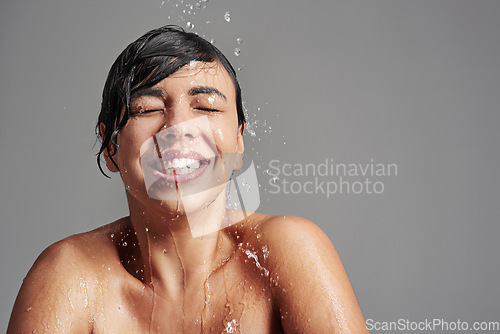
(182, 140)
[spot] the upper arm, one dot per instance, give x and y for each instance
(311, 288)
(54, 296)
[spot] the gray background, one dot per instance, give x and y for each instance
(416, 83)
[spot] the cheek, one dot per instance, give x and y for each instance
(225, 137)
(131, 140)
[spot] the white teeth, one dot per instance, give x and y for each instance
(182, 165)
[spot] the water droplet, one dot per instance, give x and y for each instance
(28, 309)
(124, 244)
(275, 179)
(112, 235)
(237, 51)
(147, 229)
(258, 236)
(265, 251)
(190, 25)
(239, 40)
(162, 3)
(231, 326)
(246, 185)
(164, 251)
(212, 41)
(227, 17)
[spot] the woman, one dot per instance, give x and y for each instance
(171, 124)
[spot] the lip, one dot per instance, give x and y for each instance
(178, 154)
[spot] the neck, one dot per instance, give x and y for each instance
(180, 251)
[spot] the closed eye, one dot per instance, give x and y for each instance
(208, 109)
(147, 111)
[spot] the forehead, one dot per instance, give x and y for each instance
(198, 73)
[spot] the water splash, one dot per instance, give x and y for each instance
(253, 256)
(265, 252)
(231, 326)
(245, 184)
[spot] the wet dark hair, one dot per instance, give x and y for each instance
(145, 62)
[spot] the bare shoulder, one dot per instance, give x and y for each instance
(310, 286)
(54, 296)
(298, 243)
(288, 234)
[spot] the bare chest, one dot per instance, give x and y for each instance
(235, 300)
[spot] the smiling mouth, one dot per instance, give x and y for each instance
(180, 166)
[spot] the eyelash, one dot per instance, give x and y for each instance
(208, 109)
(143, 112)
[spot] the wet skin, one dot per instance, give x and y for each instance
(146, 273)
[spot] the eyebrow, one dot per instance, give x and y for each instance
(206, 90)
(147, 92)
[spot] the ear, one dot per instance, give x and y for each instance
(240, 147)
(108, 151)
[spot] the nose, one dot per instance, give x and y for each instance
(180, 126)
(181, 131)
